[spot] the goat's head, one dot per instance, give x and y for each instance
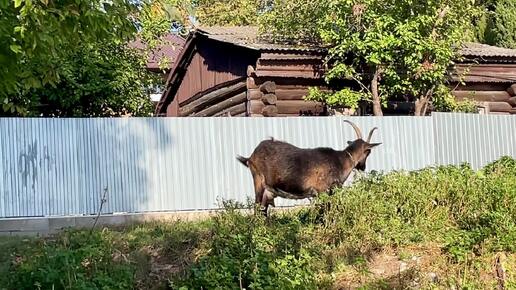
(359, 148)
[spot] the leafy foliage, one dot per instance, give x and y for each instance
(245, 252)
(35, 34)
(99, 79)
(393, 49)
(228, 12)
(503, 23)
(496, 25)
(160, 17)
(445, 204)
(74, 261)
(293, 21)
(346, 96)
(444, 101)
(467, 212)
(103, 259)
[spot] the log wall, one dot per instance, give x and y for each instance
(227, 100)
(501, 101)
(280, 97)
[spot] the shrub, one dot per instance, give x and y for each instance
(252, 253)
(463, 209)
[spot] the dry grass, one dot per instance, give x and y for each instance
(426, 267)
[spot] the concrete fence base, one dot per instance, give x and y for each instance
(43, 226)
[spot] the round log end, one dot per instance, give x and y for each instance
(269, 99)
(250, 71)
(270, 111)
(268, 87)
(512, 101)
(512, 90)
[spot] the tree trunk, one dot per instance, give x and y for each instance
(377, 105)
(421, 105)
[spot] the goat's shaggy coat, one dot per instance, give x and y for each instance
(282, 169)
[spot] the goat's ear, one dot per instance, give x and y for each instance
(372, 145)
(350, 142)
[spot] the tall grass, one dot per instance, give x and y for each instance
(466, 213)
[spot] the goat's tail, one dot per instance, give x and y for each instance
(243, 160)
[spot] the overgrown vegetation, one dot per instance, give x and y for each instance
(73, 58)
(105, 259)
(395, 49)
(229, 12)
(97, 79)
(448, 227)
(35, 35)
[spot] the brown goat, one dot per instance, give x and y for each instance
(282, 169)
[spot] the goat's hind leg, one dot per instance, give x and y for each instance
(267, 199)
(259, 190)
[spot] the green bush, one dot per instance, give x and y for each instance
(444, 101)
(464, 210)
(250, 252)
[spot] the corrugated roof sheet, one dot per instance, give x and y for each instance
(484, 50)
(247, 36)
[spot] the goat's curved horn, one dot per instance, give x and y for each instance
(371, 134)
(357, 130)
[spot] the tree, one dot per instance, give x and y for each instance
(229, 12)
(79, 63)
(499, 23)
(293, 21)
(34, 35)
(391, 49)
(96, 79)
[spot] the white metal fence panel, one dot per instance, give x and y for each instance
(472, 138)
(61, 166)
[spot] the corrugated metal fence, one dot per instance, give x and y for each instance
(61, 166)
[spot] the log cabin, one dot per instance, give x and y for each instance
(231, 71)
(490, 78)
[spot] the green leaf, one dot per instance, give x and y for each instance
(6, 107)
(15, 48)
(17, 3)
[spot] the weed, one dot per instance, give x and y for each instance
(467, 216)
